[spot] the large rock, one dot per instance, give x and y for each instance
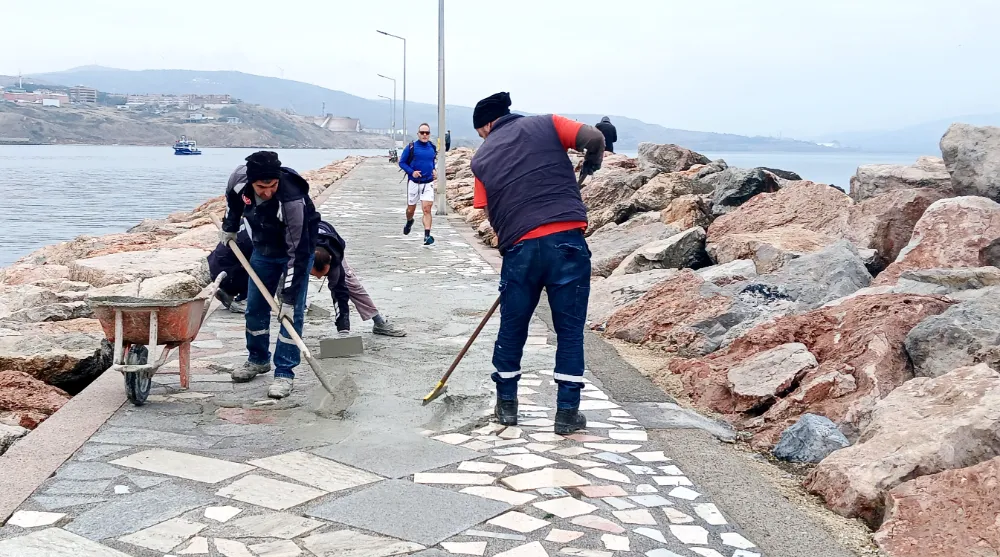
(972, 156)
(659, 192)
(735, 186)
(204, 237)
(948, 281)
(65, 354)
(768, 374)
(923, 427)
(687, 211)
(612, 243)
(872, 180)
(173, 286)
(886, 222)
(27, 399)
(857, 344)
(769, 250)
(815, 279)
(685, 250)
(9, 434)
(136, 265)
(83, 247)
(961, 336)
(950, 234)
(948, 514)
(669, 157)
(25, 273)
(809, 440)
(736, 271)
(989, 255)
(52, 312)
(611, 294)
(603, 192)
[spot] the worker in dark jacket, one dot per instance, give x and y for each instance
(283, 223)
(526, 183)
(232, 290)
(610, 134)
(418, 161)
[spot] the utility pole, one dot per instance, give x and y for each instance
(442, 162)
(405, 137)
(393, 107)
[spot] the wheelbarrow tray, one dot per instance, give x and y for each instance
(177, 320)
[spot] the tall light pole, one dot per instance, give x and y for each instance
(405, 137)
(393, 107)
(442, 162)
(392, 119)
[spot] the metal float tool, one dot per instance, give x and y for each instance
(441, 388)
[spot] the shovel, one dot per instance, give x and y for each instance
(441, 388)
(289, 326)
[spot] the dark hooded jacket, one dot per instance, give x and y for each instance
(610, 134)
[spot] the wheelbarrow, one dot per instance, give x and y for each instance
(133, 323)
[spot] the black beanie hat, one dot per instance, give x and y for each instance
(263, 165)
(490, 108)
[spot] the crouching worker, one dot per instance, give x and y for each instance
(232, 290)
(526, 183)
(344, 285)
(283, 222)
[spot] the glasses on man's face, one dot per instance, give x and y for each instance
(424, 133)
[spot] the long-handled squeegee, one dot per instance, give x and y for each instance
(441, 388)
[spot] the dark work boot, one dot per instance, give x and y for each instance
(568, 421)
(506, 412)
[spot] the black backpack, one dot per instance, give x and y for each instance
(409, 156)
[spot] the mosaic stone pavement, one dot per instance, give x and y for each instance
(218, 470)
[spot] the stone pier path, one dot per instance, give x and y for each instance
(221, 470)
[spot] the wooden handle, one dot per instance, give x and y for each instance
(468, 343)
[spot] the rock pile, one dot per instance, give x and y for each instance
(858, 331)
(50, 347)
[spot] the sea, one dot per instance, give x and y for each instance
(53, 193)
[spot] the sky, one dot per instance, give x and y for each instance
(795, 68)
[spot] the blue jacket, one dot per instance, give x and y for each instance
(424, 158)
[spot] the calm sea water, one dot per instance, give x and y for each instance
(54, 193)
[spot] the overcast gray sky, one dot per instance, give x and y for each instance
(796, 67)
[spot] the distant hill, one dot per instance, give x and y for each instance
(308, 99)
(919, 138)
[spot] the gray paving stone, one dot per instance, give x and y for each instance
(70, 487)
(405, 454)
(96, 451)
(409, 511)
(432, 553)
(152, 420)
(56, 502)
(88, 471)
(237, 430)
(146, 482)
(134, 512)
(666, 415)
(149, 437)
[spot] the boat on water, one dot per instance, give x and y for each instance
(185, 146)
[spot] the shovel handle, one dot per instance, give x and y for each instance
(469, 342)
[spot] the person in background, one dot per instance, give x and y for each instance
(447, 141)
(525, 181)
(283, 223)
(610, 134)
(418, 161)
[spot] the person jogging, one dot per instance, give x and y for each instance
(418, 160)
(525, 181)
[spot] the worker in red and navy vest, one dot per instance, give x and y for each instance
(526, 183)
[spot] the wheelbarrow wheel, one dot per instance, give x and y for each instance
(137, 384)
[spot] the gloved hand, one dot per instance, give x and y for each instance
(286, 310)
(589, 168)
(225, 237)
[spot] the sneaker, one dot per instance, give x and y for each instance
(389, 329)
(568, 421)
(281, 388)
(428, 240)
(344, 332)
(248, 371)
(408, 227)
(238, 307)
(506, 412)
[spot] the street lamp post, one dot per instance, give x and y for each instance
(405, 137)
(393, 107)
(392, 119)
(442, 162)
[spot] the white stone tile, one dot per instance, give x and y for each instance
(465, 548)
(122, 490)
(54, 542)
(489, 429)
(706, 552)
(511, 433)
(584, 463)
(526, 390)
(553, 492)
(534, 408)
(269, 493)
(321, 473)
(597, 405)
(741, 553)
(539, 422)
(563, 536)
(452, 438)
(509, 442)
(652, 534)
(190, 395)
(600, 425)
(511, 450)
(546, 477)
(222, 514)
(612, 457)
(567, 507)
(684, 493)
(677, 517)
(477, 445)
(646, 488)
(480, 466)
(165, 535)
(531, 382)
(183, 465)
(494, 535)
(570, 451)
(651, 500)
(671, 480)
(526, 461)
(635, 435)
(610, 475)
(621, 420)
(578, 552)
(539, 447)
(348, 542)
(642, 470)
(598, 523)
(618, 503)
(619, 413)
(671, 470)
(275, 525)
(276, 548)
(595, 394)
(34, 519)
(651, 456)
(500, 494)
(197, 546)
(453, 478)
(612, 448)
(533, 549)
(615, 543)
(710, 514)
(548, 438)
(638, 516)
(732, 539)
(692, 535)
(232, 548)
(518, 522)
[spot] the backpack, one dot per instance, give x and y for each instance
(409, 156)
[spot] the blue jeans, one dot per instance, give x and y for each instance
(258, 316)
(560, 264)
